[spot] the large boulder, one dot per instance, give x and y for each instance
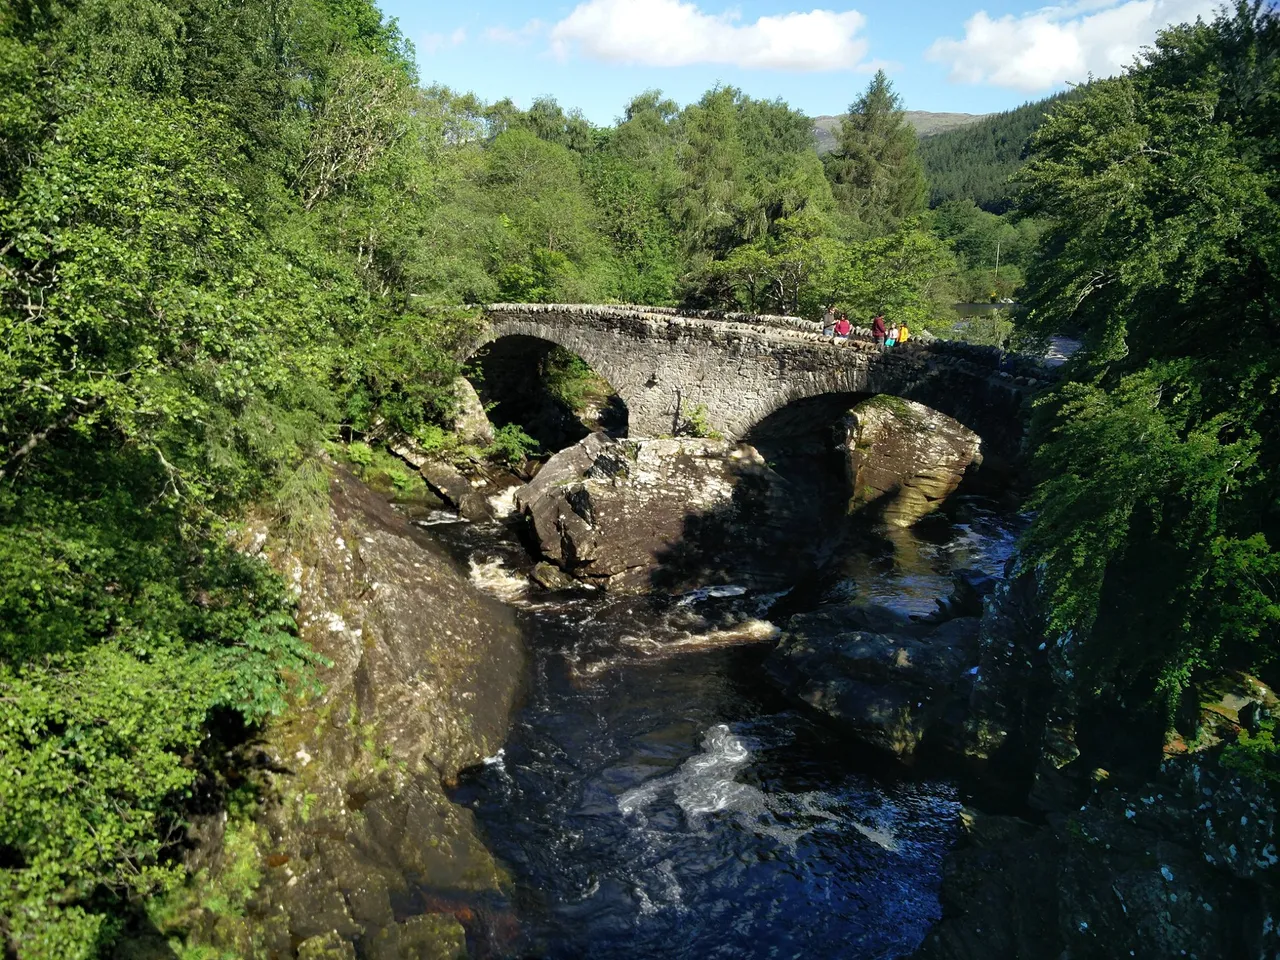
(672, 514)
(889, 690)
(904, 457)
(424, 674)
(470, 421)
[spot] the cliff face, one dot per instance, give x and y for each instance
(355, 831)
(1133, 853)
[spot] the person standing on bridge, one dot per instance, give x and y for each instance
(829, 321)
(892, 338)
(842, 327)
(878, 332)
(903, 334)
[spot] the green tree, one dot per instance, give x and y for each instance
(875, 172)
(906, 275)
(1157, 514)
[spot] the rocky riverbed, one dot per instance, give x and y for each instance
(732, 699)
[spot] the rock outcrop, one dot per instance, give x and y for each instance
(887, 681)
(470, 422)
(671, 514)
(470, 497)
(1126, 874)
(425, 672)
(904, 457)
(1134, 857)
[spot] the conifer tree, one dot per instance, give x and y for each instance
(875, 173)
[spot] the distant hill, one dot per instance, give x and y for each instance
(927, 124)
(976, 161)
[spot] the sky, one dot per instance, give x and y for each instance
(961, 56)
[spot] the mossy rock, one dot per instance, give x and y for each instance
(431, 936)
(329, 946)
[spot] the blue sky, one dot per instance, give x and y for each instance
(966, 56)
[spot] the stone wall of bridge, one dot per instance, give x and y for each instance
(665, 364)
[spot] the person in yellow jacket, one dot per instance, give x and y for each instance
(903, 334)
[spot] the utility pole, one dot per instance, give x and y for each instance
(995, 280)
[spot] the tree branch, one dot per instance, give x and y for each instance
(36, 439)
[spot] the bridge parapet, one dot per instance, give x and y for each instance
(988, 357)
(665, 363)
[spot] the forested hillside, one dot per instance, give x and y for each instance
(977, 161)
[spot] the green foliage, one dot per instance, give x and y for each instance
(906, 275)
(1256, 756)
(198, 281)
(698, 424)
(570, 380)
(511, 445)
(1157, 513)
(993, 252)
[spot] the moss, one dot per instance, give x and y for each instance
(208, 917)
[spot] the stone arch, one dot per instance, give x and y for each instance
(511, 381)
(574, 339)
(992, 408)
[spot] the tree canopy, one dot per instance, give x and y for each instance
(875, 171)
(1157, 512)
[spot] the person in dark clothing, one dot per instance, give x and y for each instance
(878, 331)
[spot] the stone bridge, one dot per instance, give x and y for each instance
(666, 363)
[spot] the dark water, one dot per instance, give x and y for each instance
(657, 798)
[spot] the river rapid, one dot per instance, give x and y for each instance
(657, 797)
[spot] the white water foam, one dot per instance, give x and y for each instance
(703, 784)
(497, 580)
(880, 835)
(702, 593)
(437, 517)
(503, 503)
(707, 783)
(648, 647)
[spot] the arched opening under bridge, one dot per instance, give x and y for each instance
(550, 392)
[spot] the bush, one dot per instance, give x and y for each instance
(511, 445)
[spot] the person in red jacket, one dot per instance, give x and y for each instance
(878, 331)
(843, 327)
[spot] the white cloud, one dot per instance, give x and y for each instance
(435, 42)
(518, 37)
(1048, 47)
(675, 33)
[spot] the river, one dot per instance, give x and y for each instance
(657, 797)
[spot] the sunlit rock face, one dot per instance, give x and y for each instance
(422, 674)
(470, 422)
(904, 457)
(635, 515)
